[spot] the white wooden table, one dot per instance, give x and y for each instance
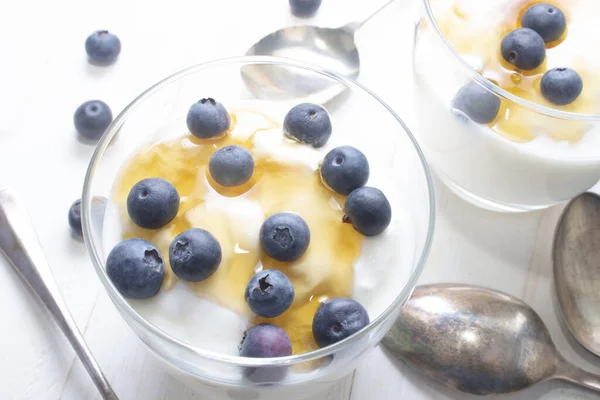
(44, 76)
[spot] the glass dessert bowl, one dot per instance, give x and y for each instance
(508, 119)
(198, 326)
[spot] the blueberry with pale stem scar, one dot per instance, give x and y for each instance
(284, 236)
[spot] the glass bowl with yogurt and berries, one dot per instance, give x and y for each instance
(509, 99)
(258, 247)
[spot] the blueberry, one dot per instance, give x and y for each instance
(345, 169)
(368, 210)
(477, 103)
(92, 118)
(103, 47)
(524, 48)
(194, 255)
(304, 8)
(336, 319)
(136, 268)
(269, 293)
(75, 218)
(284, 236)
(207, 119)
(547, 20)
(308, 123)
(231, 166)
(265, 341)
(152, 203)
(561, 86)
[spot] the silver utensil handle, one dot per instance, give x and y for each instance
(19, 243)
(577, 376)
(355, 26)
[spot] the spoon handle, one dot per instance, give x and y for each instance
(19, 244)
(354, 26)
(577, 376)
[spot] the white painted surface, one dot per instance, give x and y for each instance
(44, 76)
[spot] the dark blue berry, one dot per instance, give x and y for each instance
(524, 48)
(208, 119)
(477, 103)
(269, 293)
(304, 8)
(336, 319)
(547, 20)
(92, 118)
(345, 169)
(265, 341)
(368, 210)
(152, 203)
(103, 47)
(75, 218)
(308, 123)
(561, 86)
(136, 268)
(194, 255)
(231, 166)
(284, 236)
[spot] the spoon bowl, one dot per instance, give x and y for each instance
(478, 341)
(576, 254)
(333, 49)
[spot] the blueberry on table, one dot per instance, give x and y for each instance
(136, 268)
(284, 236)
(194, 255)
(304, 8)
(336, 319)
(152, 203)
(308, 123)
(269, 293)
(547, 20)
(92, 118)
(477, 103)
(344, 169)
(265, 341)
(208, 119)
(524, 48)
(561, 86)
(368, 210)
(75, 218)
(231, 166)
(103, 47)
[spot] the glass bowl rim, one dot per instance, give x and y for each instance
(476, 76)
(122, 304)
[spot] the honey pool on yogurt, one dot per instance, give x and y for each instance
(324, 271)
(463, 28)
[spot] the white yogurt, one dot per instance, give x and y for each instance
(474, 158)
(380, 272)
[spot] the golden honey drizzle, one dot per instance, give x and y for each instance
(326, 269)
(515, 122)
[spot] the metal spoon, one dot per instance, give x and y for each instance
(333, 49)
(577, 269)
(479, 341)
(19, 244)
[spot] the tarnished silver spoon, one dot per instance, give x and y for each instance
(577, 269)
(19, 244)
(334, 49)
(479, 341)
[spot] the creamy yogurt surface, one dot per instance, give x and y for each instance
(522, 160)
(207, 316)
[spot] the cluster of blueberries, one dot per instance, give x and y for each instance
(525, 49)
(94, 116)
(137, 269)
